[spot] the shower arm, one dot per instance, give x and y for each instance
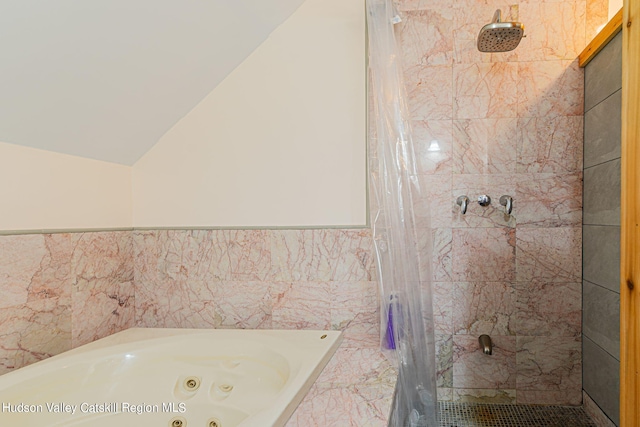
(497, 16)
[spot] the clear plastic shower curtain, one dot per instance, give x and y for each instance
(406, 304)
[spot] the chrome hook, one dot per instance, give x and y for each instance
(463, 202)
(507, 202)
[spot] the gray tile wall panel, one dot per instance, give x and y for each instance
(602, 194)
(601, 320)
(601, 255)
(601, 378)
(603, 75)
(602, 131)
(601, 232)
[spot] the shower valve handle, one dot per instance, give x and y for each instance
(463, 202)
(507, 202)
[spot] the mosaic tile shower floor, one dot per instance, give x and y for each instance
(490, 415)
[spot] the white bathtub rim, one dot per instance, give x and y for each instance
(139, 338)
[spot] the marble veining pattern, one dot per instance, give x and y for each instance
(248, 253)
(484, 254)
(32, 332)
(301, 305)
(548, 309)
(426, 37)
(442, 307)
(550, 88)
(357, 366)
(484, 308)
(436, 214)
(549, 254)
(549, 200)
(244, 305)
(102, 291)
(352, 406)
(484, 146)
(20, 259)
(170, 304)
(185, 256)
(326, 255)
(473, 369)
(550, 144)
(405, 5)
(55, 274)
(597, 17)
(354, 310)
(354, 389)
(75, 288)
(485, 90)
(430, 92)
(549, 363)
(442, 260)
(444, 361)
(316, 279)
(560, 37)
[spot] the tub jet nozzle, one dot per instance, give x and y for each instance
(192, 383)
(485, 344)
(178, 422)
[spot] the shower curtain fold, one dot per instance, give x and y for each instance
(406, 315)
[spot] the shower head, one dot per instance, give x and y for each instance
(500, 36)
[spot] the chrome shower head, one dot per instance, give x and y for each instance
(500, 36)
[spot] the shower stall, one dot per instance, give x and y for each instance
(480, 301)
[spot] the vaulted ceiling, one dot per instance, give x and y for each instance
(105, 79)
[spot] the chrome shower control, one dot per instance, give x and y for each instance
(507, 202)
(484, 200)
(463, 202)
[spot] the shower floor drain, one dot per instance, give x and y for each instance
(494, 415)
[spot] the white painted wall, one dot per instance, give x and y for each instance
(106, 79)
(46, 190)
(280, 142)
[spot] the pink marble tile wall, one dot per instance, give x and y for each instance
(60, 291)
(102, 288)
(597, 17)
(506, 123)
(281, 279)
(355, 389)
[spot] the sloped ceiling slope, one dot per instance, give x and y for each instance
(106, 79)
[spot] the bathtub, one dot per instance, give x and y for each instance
(170, 377)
